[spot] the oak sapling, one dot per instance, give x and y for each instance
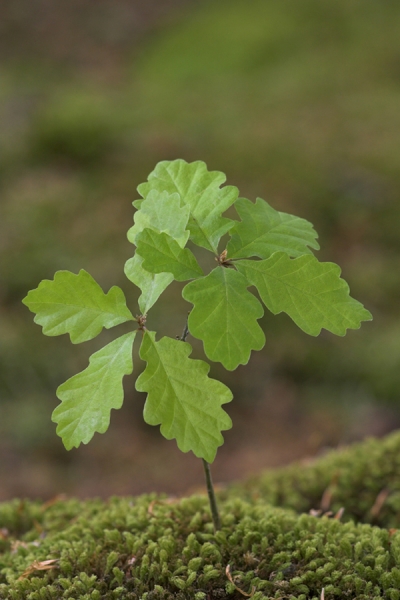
(268, 250)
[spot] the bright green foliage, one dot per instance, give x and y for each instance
(199, 189)
(88, 397)
(225, 317)
(263, 231)
(185, 202)
(152, 285)
(77, 305)
(162, 254)
(181, 398)
(162, 212)
(310, 292)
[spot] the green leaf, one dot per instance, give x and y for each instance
(181, 397)
(162, 254)
(201, 191)
(263, 231)
(88, 397)
(77, 305)
(162, 212)
(225, 317)
(310, 292)
(152, 285)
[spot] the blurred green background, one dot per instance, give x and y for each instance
(298, 102)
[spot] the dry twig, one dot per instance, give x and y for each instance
(229, 576)
(39, 565)
(379, 502)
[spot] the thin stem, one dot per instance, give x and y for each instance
(210, 488)
(211, 497)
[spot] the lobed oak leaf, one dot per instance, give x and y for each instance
(88, 397)
(77, 305)
(181, 397)
(310, 292)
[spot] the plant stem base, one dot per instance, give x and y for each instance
(211, 496)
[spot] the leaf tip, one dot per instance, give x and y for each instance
(68, 446)
(368, 315)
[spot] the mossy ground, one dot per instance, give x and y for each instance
(161, 548)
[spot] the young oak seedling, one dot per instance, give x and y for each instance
(268, 250)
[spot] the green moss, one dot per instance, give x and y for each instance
(135, 548)
(364, 479)
(158, 548)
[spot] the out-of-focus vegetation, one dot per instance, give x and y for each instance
(297, 102)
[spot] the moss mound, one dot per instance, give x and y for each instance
(159, 548)
(364, 479)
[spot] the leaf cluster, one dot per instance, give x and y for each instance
(182, 207)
